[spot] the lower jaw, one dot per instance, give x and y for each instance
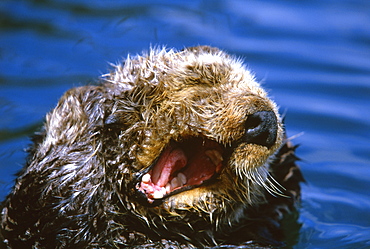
(185, 196)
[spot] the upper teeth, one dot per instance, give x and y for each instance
(215, 156)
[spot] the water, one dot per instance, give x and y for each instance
(313, 56)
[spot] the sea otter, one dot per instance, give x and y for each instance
(173, 149)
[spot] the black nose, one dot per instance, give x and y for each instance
(261, 128)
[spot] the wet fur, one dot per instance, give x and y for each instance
(77, 189)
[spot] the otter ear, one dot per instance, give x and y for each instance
(112, 120)
(78, 113)
(116, 121)
(121, 119)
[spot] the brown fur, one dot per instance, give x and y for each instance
(80, 188)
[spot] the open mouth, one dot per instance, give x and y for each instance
(181, 166)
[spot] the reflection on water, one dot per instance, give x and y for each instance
(313, 55)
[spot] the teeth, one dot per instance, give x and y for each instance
(168, 188)
(175, 183)
(146, 178)
(182, 178)
(158, 195)
(164, 191)
(178, 181)
(215, 156)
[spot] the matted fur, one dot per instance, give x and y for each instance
(78, 189)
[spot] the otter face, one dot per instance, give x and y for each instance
(205, 133)
(172, 149)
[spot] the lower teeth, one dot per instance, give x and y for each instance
(158, 195)
(176, 182)
(182, 178)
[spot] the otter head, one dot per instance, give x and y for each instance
(199, 131)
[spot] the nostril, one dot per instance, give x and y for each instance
(261, 128)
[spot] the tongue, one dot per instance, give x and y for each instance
(199, 166)
(170, 161)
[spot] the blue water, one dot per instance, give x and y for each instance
(313, 56)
